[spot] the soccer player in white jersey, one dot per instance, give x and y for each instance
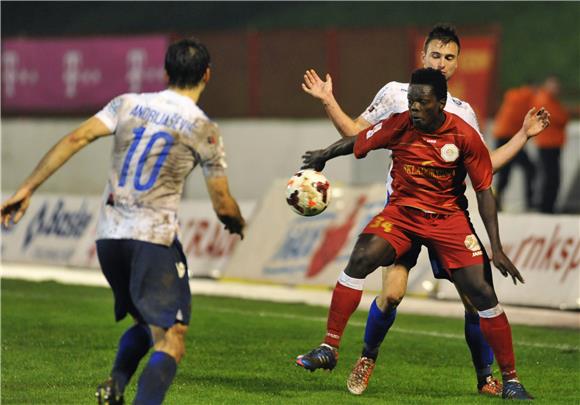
(441, 51)
(159, 139)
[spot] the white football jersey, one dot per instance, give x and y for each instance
(392, 99)
(159, 139)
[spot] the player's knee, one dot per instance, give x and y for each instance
(391, 299)
(173, 342)
(360, 265)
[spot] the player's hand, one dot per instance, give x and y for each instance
(536, 121)
(14, 208)
(506, 267)
(234, 225)
(314, 159)
(314, 85)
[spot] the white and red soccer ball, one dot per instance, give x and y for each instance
(308, 192)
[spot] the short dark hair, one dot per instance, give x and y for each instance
(443, 32)
(186, 62)
(431, 77)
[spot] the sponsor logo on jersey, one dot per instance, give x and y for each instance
(180, 269)
(432, 140)
(472, 243)
(449, 152)
(478, 253)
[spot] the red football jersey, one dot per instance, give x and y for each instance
(429, 169)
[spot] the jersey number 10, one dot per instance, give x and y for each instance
(137, 183)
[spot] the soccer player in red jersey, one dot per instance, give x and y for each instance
(441, 51)
(433, 151)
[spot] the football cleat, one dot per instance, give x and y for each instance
(324, 357)
(358, 380)
(108, 393)
(490, 386)
(513, 389)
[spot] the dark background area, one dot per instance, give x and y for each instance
(537, 38)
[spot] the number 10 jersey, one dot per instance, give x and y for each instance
(159, 139)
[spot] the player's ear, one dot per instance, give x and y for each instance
(423, 58)
(207, 75)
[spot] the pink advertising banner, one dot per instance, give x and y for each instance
(78, 74)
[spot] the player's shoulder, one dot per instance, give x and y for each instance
(395, 88)
(463, 126)
(457, 106)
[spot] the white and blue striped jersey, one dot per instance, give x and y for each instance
(158, 139)
(392, 99)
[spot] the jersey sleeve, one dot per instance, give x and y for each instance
(208, 149)
(109, 115)
(477, 160)
(379, 136)
(383, 105)
(471, 119)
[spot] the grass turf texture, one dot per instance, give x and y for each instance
(59, 342)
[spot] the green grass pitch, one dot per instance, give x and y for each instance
(59, 342)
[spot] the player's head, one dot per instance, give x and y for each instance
(187, 63)
(441, 49)
(427, 96)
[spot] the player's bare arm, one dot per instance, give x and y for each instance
(322, 90)
(225, 206)
(535, 122)
(488, 211)
(15, 207)
(316, 159)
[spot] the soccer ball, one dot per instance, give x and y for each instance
(308, 192)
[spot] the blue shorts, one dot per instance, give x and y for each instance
(409, 260)
(149, 281)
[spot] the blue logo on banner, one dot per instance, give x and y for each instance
(59, 222)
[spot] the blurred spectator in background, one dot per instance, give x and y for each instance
(516, 103)
(550, 142)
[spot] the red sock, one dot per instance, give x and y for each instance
(344, 302)
(498, 333)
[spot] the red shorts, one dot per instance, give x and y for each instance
(452, 237)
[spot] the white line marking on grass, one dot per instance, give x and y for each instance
(265, 314)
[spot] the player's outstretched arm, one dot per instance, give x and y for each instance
(322, 90)
(225, 205)
(15, 207)
(488, 211)
(534, 123)
(316, 159)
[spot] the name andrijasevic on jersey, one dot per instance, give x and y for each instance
(159, 139)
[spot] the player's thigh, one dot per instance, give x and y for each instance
(369, 253)
(115, 257)
(160, 284)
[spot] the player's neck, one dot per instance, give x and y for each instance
(192, 93)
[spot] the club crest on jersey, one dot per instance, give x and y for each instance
(449, 152)
(180, 267)
(472, 243)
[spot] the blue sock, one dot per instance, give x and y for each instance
(378, 324)
(133, 345)
(481, 352)
(155, 379)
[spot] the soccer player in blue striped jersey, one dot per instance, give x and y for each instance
(159, 139)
